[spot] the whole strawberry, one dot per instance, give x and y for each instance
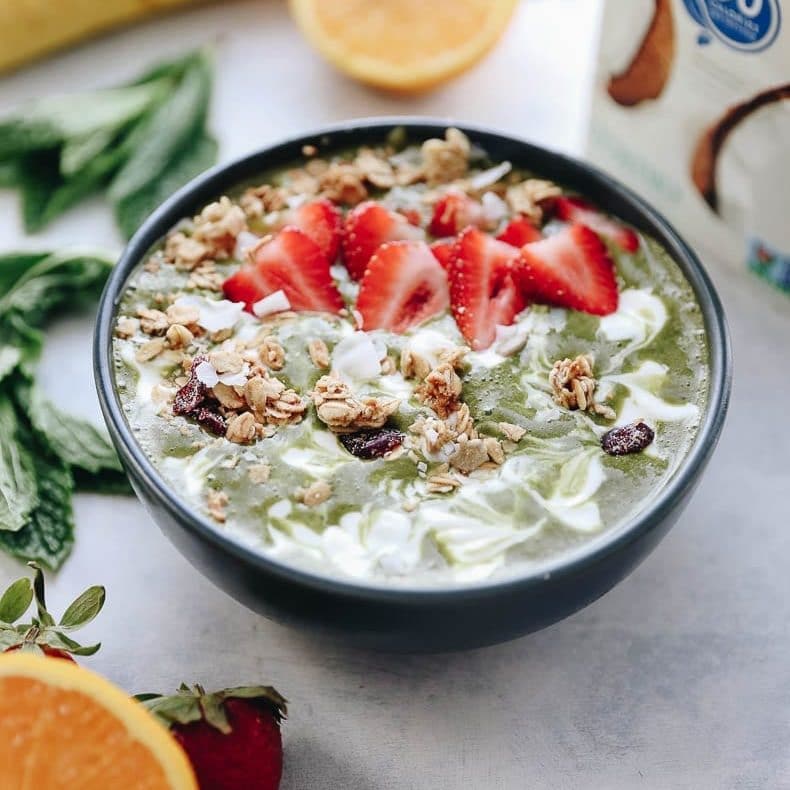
(42, 634)
(232, 737)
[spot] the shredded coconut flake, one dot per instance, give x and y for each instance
(276, 302)
(206, 374)
(494, 208)
(215, 314)
(244, 241)
(486, 178)
(355, 358)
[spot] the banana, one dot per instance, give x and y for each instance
(31, 28)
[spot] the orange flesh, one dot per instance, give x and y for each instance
(53, 738)
(403, 32)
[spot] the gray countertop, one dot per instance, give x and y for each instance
(678, 678)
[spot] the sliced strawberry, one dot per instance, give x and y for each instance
(453, 212)
(579, 211)
(403, 286)
(484, 287)
(322, 221)
(289, 261)
(368, 226)
(443, 250)
(412, 215)
(519, 231)
(244, 286)
(572, 269)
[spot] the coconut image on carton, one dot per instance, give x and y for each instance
(691, 108)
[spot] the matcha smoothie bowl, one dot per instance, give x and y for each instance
(421, 386)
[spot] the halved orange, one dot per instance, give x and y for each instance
(63, 726)
(403, 45)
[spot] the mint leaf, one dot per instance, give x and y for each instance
(14, 264)
(45, 192)
(46, 123)
(10, 357)
(49, 534)
(76, 442)
(198, 155)
(18, 494)
(156, 141)
(57, 280)
(58, 150)
(106, 481)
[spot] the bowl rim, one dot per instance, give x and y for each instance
(584, 557)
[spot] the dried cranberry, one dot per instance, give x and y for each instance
(210, 420)
(628, 439)
(193, 393)
(371, 444)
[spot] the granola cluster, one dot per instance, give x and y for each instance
(573, 384)
(529, 197)
(343, 412)
(211, 237)
(450, 433)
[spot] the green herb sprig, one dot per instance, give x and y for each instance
(138, 143)
(44, 453)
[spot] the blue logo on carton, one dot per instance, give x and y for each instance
(746, 25)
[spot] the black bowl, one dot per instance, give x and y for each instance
(415, 619)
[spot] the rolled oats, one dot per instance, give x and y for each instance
(226, 362)
(319, 353)
(315, 493)
(440, 390)
(153, 348)
(272, 353)
(573, 384)
(182, 314)
(152, 322)
(178, 336)
(515, 433)
(448, 159)
(227, 396)
(494, 450)
(127, 327)
(259, 473)
(342, 182)
(218, 225)
(527, 196)
(216, 502)
(470, 454)
(413, 366)
(339, 409)
(241, 428)
(185, 252)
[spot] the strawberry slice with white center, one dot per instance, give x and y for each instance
(367, 227)
(322, 221)
(571, 268)
(519, 231)
(580, 212)
(484, 286)
(289, 261)
(443, 250)
(403, 286)
(453, 212)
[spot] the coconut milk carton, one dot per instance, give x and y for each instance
(691, 108)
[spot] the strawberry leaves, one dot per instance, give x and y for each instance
(15, 600)
(42, 633)
(192, 704)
